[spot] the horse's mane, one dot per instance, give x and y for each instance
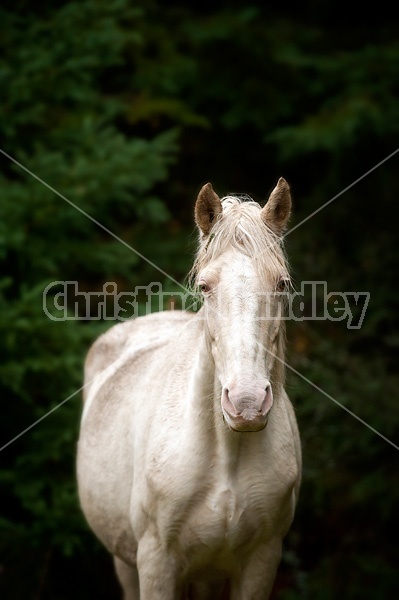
(240, 227)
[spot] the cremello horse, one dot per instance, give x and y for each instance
(189, 454)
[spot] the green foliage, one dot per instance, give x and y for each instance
(107, 101)
(62, 122)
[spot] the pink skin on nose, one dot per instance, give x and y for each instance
(247, 410)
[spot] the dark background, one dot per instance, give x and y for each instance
(127, 108)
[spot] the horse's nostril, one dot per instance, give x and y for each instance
(229, 405)
(268, 400)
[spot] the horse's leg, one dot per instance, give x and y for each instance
(157, 571)
(128, 578)
(257, 577)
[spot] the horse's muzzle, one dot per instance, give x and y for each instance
(247, 410)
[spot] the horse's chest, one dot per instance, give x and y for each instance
(209, 512)
(224, 521)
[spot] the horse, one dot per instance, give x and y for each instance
(189, 456)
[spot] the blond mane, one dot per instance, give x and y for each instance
(240, 227)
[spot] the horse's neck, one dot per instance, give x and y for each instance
(278, 369)
(203, 382)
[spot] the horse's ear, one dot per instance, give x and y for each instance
(277, 210)
(207, 208)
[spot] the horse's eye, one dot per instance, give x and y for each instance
(204, 288)
(282, 284)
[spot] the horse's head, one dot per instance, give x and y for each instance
(241, 272)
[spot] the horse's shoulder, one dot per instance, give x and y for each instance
(141, 333)
(106, 348)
